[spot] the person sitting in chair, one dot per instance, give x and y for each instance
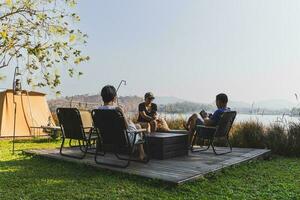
(109, 97)
(148, 113)
(148, 117)
(206, 119)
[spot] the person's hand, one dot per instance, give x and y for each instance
(124, 108)
(203, 114)
(120, 109)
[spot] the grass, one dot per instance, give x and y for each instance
(26, 177)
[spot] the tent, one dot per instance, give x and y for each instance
(31, 111)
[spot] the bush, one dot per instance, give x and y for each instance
(248, 134)
(293, 139)
(276, 139)
(282, 139)
(176, 123)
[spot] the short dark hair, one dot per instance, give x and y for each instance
(149, 95)
(108, 93)
(222, 98)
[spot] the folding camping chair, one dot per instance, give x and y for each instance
(72, 128)
(210, 133)
(114, 137)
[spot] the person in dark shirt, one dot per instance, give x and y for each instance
(109, 97)
(206, 119)
(148, 113)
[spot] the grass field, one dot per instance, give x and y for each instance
(26, 177)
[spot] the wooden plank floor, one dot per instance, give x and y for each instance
(175, 170)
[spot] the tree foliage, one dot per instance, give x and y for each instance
(40, 35)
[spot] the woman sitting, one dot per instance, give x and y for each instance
(109, 97)
(148, 117)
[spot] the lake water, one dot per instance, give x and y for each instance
(265, 119)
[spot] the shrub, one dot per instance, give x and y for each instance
(176, 123)
(293, 139)
(248, 134)
(276, 139)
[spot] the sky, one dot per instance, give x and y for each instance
(190, 49)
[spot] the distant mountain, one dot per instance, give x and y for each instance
(174, 104)
(272, 104)
(275, 104)
(86, 101)
(168, 100)
(238, 104)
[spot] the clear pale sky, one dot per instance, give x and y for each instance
(191, 49)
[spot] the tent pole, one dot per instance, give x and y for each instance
(14, 135)
(16, 86)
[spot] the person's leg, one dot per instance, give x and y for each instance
(141, 152)
(190, 123)
(153, 126)
(193, 121)
(145, 125)
(138, 126)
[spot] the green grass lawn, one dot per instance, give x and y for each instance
(27, 177)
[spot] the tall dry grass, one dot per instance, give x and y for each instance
(249, 134)
(281, 138)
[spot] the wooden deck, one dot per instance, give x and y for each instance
(175, 170)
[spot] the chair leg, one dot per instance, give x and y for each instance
(222, 153)
(105, 163)
(110, 164)
(130, 158)
(72, 156)
(86, 144)
(198, 149)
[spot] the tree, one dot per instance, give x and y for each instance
(40, 35)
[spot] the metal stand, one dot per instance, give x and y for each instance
(14, 133)
(125, 83)
(16, 87)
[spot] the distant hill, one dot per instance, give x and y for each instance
(168, 100)
(90, 102)
(238, 104)
(173, 104)
(185, 107)
(275, 104)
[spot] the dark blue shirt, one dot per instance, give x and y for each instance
(217, 115)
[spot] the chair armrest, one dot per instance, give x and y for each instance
(206, 127)
(140, 130)
(88, 127)
(206, 132)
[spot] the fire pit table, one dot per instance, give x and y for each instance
(167, 145)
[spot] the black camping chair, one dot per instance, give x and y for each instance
(114, 137)
(72, 128)
(210, 133)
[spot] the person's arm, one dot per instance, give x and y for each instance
(146, 117)
(143, 113)
(208, 122)
(125, 118)
(154, 110)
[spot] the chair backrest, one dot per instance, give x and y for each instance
(86, 118)
(225, 123)
(70, 123)
(111, 125)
